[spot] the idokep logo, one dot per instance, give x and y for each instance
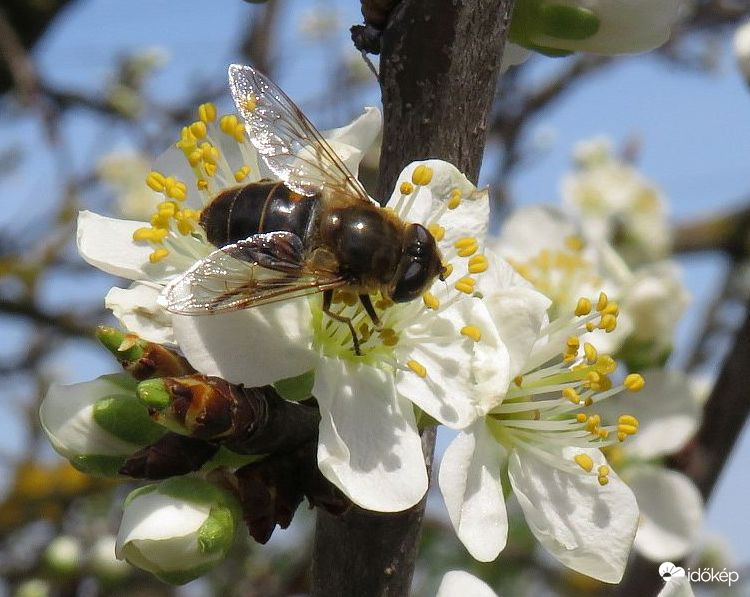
(668, 571)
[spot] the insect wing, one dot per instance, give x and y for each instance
(290, 145)
(263, 268)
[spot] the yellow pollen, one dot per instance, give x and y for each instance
(574, 243)
(590, 327)
(227, 124)
(593, 422)
(602, 302)
(160, 220)
(571, 395)
(590, 353)
(242, 173)
(210, 169)
(194, 157)
(573, 342)
(628, 420)
(175, 189)
(466, 246)
(417, 368)
(605, 383)
(154, 235)
(202, 184)
(406, 188)
(592, 379)
(608, 323)
(239, 132)
(612, 308)
(448, 270)
(602, 470)
(466, 285)
(581, 417)
(603, 433)
(158, 255)
(605, 364)
(422, 175)
(471, 331)
(478, 264)
(207, 112)
(603, 480)
(390, 338)
(454, 200)
(250, 103)
(209, 153)
(588, 402)
(430, 300)
(518, 380)
(198, 129)
(187, 140)
(621, 436)
(437, 231)
(634, 382)
(584, 461)
(155, 181)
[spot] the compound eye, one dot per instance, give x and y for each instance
(411, 279)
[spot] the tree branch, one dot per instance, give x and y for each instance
(438, 71)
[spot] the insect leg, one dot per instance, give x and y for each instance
(367, 304)
(327, 300)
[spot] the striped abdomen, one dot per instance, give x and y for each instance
(264, 206)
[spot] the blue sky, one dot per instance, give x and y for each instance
(695, 133)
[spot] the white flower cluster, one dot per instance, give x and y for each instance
(504, 357)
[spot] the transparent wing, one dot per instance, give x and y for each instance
(261, 269)
(288, 142)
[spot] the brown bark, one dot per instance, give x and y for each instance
(438, 73)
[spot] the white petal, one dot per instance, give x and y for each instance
(529, 230)
(137, 310)
(107, 243)
(254, 347)
(447, 392)
(469, 480)
(155, 516)
(666, 408)
(351, 142)
(66, 414)
(470, 218)
(368, 444)
(677, 587)
(458, 582)
(588, 527)
(671, 512)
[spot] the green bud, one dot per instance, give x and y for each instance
(98, 465)
(567, 22)
(154, 394)
(113, 339)
(127, 418)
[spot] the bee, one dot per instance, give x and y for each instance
(313, 230)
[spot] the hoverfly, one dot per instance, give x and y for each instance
(314, 230)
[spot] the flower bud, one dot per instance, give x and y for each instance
(177, 529)
(97, 424)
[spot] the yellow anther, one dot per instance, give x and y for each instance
(175, 189)
(608, 323)
(227, 124)
(628, 420)
(390, 338)
(624, 429)
(605, 383)
(155, 181)
(574, 243)
(437, 231)
(192, 214)
(210, 169)
(194, 157)
(185, 227)
(634, 382)
(384, 303)
(207, 112)
(167, 208)
(603, 433)
(242, 173)
(612, 308)
(593, 379)
(209, 153)
(158, 255)
(239, 132)
(605, 364)
(583, 307)
(448, 270)
(518, 380)
(348, 298)
(590, 353)
(581, 417)
(571, 395)
(590, 327)
(454, 200)
(187, 140)
(160, 220)
(365, 330)
(584, 461)
(601, 304)
(250, 103)
(422, 175)
(154, 235)
(202, 184)
(573, 342)
(602, 470)
(406, 188)
(466, 285)
(588, 402)
(430, 300)
(199, 129)
(466, 246)
(593, 422)
(603, 480)
(417, 368)
(478, 264)
(471, 331)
